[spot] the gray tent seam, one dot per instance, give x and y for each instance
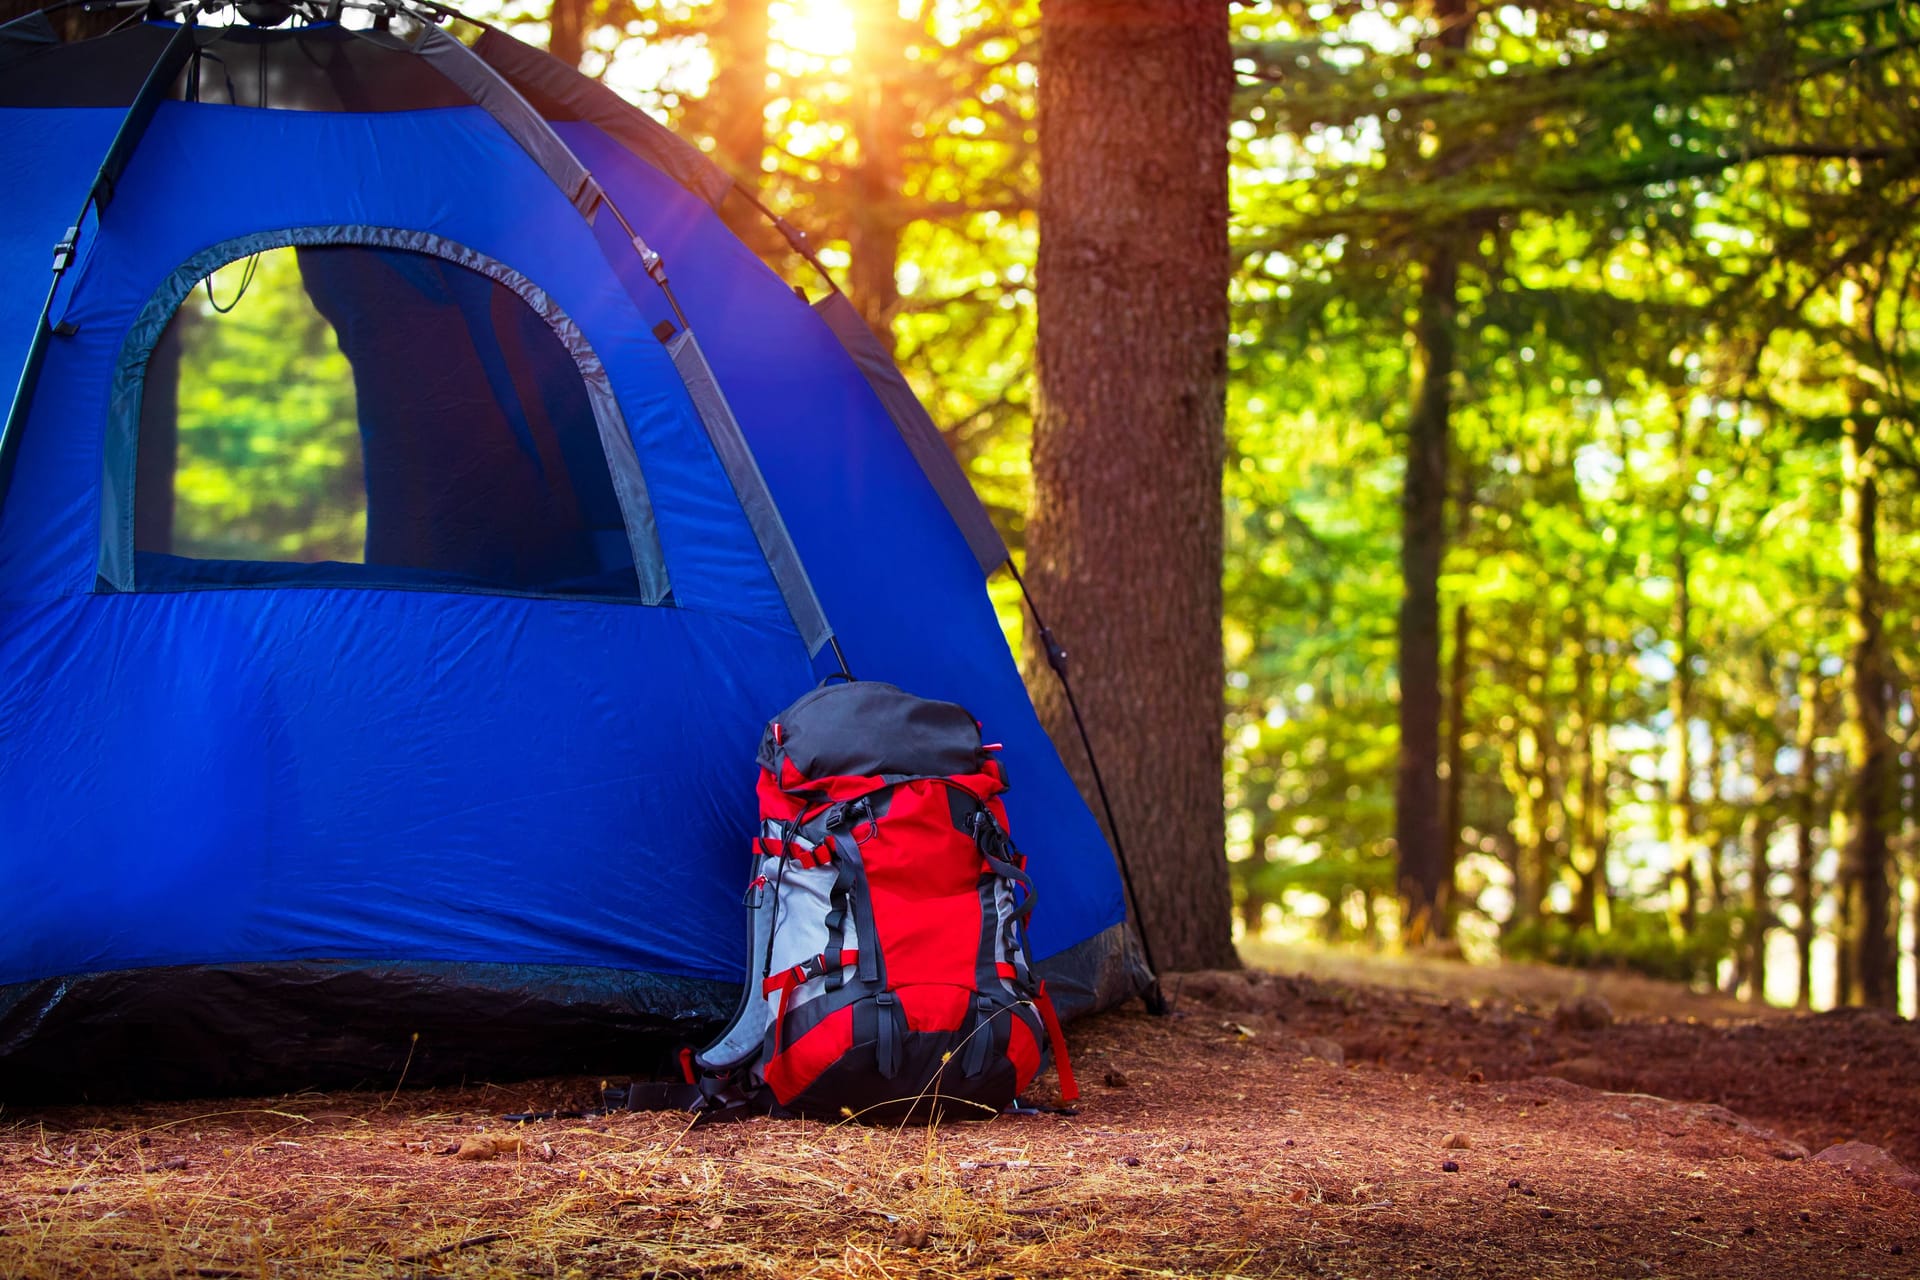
(750, 486)
(492, 94)
(536, 72)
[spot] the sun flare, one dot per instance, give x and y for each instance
(823, 28)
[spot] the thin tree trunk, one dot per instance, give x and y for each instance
(1597, 889)
(1528, 783)
(1914, 957)
(1840, 825)
(1869, 941)
(737, 40)
(1683, 881)
(1421, 839)
(1459, 682)
(1586, 819)
(875, 214)
(567, 30)
(1124, 543)
(1419, 825)
(1762, 821)
(1806, 806)
(1713, 848)
(1759, 904)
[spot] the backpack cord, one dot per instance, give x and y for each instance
(1152, 997)
(840, 658)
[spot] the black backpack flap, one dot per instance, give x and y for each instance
(864, 728)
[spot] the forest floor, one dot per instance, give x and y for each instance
(1418, 1120)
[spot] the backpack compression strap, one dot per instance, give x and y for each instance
(1069, 1088)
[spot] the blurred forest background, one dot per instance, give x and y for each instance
(1646, 272)
(1571, 372)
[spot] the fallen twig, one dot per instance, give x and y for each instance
(470, 1242)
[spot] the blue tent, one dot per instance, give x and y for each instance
(441, 722)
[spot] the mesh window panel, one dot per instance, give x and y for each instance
(370, 417)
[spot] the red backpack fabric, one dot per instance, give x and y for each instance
(889, 972)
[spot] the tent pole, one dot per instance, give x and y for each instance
(133, 126)
(1152, 997)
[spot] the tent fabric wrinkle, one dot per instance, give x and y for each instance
(323, 640)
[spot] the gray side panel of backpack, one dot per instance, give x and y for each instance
(793, 915)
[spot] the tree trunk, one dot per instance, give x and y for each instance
(567, 30)
(1915, 956)
(1759, 905)
(1420, 834)
(1124, 543)
(1806, 806)
(1527, 780)
(1843, 905)
(737, 123)
(1763, 821)
(875, 212)
(1873, 972)
(1586, 818)
(1683, 881)
(1713, 847)
(1459, 682)
(1419, 823)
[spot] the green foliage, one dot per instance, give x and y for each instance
(1639, 942)
(1685, 241)
(268, 463)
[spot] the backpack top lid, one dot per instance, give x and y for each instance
(865, 728)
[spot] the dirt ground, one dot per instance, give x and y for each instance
(1278, 1125)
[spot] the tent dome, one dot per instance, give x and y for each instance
(415, 498)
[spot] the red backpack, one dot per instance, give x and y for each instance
(889, 973)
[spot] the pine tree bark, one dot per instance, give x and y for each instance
(1419, 822)
(1124, 543)
(1420, 835)
(1873, 973)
